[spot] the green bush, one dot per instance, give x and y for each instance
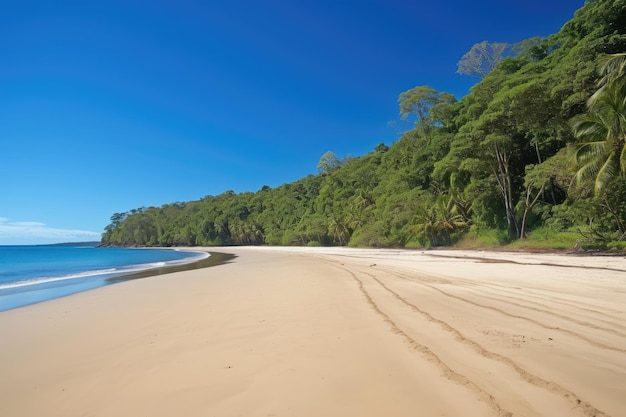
(617, 245)
(478, 237)
(548, 238)
(369, 236)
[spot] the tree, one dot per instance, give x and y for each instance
(419, 101)
(481, 58)
(538, 184)
(328, 163)
(437, 221)
(502, 146)
(381, 147)
(338, 230)
(602, 155)
(497, 147)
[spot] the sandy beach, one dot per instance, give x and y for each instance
(330, 332)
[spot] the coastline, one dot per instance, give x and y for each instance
(214, 259)
(47, 281)
(330, 331)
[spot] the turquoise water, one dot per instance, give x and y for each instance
(31, 274)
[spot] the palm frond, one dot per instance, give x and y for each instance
(590, 151)
(590, 158)
(607, 172)
(588, 170)
(590, 128)
(612, 68)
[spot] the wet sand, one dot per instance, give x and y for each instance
(330, 332)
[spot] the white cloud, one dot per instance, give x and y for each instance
(27, 225)
(30, 232)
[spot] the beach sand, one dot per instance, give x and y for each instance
(330, 332)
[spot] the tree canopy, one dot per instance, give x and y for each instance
(482, 58)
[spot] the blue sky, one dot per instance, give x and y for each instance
(110, 106)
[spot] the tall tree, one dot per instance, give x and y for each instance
(328, 162)
(419, 101)
(482, 58)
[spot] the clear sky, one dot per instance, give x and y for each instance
(106, 106)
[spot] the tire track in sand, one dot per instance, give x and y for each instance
(431, 356)
(420, 280)
(551, 313)
(443, 279)
(586, 408)
(507, 292)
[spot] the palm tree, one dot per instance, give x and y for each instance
(602, 155)
(339, 231)
(436, 223)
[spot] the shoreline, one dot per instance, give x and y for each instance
(53, 287)
(214, 259)
(330, 331)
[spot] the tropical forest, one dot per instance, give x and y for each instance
(532, 157)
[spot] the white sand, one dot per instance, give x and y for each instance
(330, 332)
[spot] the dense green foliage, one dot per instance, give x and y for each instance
(536, 147)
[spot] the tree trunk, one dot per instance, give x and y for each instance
(506, 189)
(528, 207)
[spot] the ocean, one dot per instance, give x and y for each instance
(32, 274)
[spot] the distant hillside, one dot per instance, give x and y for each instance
(508, 163)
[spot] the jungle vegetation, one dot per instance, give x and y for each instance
(533, 155)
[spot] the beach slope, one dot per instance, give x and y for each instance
(330, 332)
